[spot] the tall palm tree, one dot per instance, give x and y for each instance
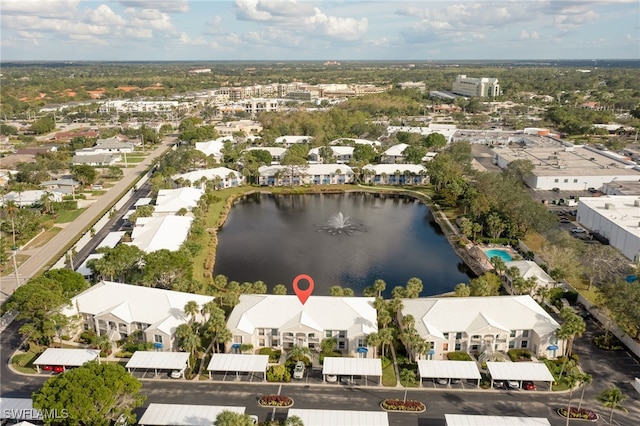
(585, 380)
(373, 340)
(192, 309)
(298, 353)
(612, 398)
(572, 327)
(571, 379)
(379, 286)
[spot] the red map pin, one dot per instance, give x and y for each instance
(303, 294)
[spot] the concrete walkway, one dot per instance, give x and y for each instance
(48, 253)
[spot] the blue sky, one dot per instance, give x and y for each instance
(154, 30)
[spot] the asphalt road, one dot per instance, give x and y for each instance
(607, 368)
(47, 253)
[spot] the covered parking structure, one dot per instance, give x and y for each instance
(239, 363)
(179, 414)
(435, 369)
(65, 358)
(519, 371)
(16, 409)
(163, 361)
(341, 366)
(469, 420)
(340, 417)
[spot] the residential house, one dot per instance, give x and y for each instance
(31, 197)
(341, 154)
(395, 174)
(342, 141)
(316, 174)
(119, 310)
(528, 269)
(282, 321)
(394, 154)
(289, 140)
(483, 325)
(97, 160)
(171, 201)
(213, 147)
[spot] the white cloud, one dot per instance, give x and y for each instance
(168, 6)
(103, 15)
(150, 18)
(525, 35)
(340, 28)
(44, 8)
(197, 41)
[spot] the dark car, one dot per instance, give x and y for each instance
(528, 385)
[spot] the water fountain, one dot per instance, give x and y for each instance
(341, 224)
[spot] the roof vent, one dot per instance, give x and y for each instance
(636, 203)
(609, 206)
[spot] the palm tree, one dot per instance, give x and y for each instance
(571, 379)
(612, 398)
(373, 340)
(11, 209)
(572, 327)
(192, 309)
(585, 380)
(298, 353)
(379, 286)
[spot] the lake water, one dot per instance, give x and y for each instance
(274, 238)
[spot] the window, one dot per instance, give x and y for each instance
(575, 181)
(157, 338)
(513, 333)
(342, 344)
(524, 344)
(328, 333)
(458, 336)
(446, 336)
(525, 333)
(445, 347)
(457, 347)
(566, 180)
(261, 343)
(362, 343)
(274, 331)
(474, 347)
(261, 332)
(555, 180)
(476, 337)
(342, 335)
(512, 344)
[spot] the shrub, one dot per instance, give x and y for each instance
(278, 373)
(519, 355)
(88, 337)
(275, 401)
(400, 405)
(582, 414)
(274, 354)
(459, 356)
(608, 342)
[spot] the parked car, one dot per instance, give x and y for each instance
(47, 368)
(331, 378)
(564, 220)
(175, 374)
(528, 385)
(455, 381)
(513, 384)
(298, 371)
(58, 369)
(578, 230)
(442, 381)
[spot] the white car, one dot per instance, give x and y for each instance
(331, 378)
(578, 230)
(513, 384)
(175, 374)
(298, 371)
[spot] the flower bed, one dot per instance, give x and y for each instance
(275, 401)
(582, 414)
(400, 405)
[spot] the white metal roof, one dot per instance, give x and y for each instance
(529, 268)
(396, 150)
(179, 414)
(17, 409)
(535, 371)
(448, 369)
(390, 169)
(67, 357)
(111, 240)
(352, 366)
(210, 174)
(84, 269)
(172, 200)
(159, 360)
(156, 233)
(468, 420)
(340, 417)
(240, 363)
(143, 202)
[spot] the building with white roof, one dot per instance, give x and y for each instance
(282, 322)
(484, 87)
(395, 174)
(529, 269)
(171, 201)
(184, 415)
(394, 154)
(213, 147)
(315, 174)
(483, 324)
(65, 357)
(616, 218)
(311, 417)
(355, 141)
(160, 232)
(118, 310)
(223, 176)
(277, 152)
(562, 165)
(30, 197)
(446, 130)
(95, 159)
(290, 140)
(342, 154)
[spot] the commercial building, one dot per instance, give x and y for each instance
(282, 321)
(616, 218)
(476, 87)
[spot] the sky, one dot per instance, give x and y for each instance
(206, 30)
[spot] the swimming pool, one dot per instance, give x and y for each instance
(502, 254)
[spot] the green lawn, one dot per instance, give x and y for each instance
(66, 216)
(133, 160)
(388, 373)
(43, 238)
(7, 269)
(24, 362)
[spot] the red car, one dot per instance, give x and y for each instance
(528, 386)
(58, 369)
(47, 368)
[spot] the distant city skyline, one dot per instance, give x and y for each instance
(178, 30)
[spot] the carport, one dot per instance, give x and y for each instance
(340, 417)
(18, 409)
(464, 370)
(150, 360)
(179, 414)
(66, 357)
(519, 371)
(468, 420)
(340, 366)
(239, 363)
